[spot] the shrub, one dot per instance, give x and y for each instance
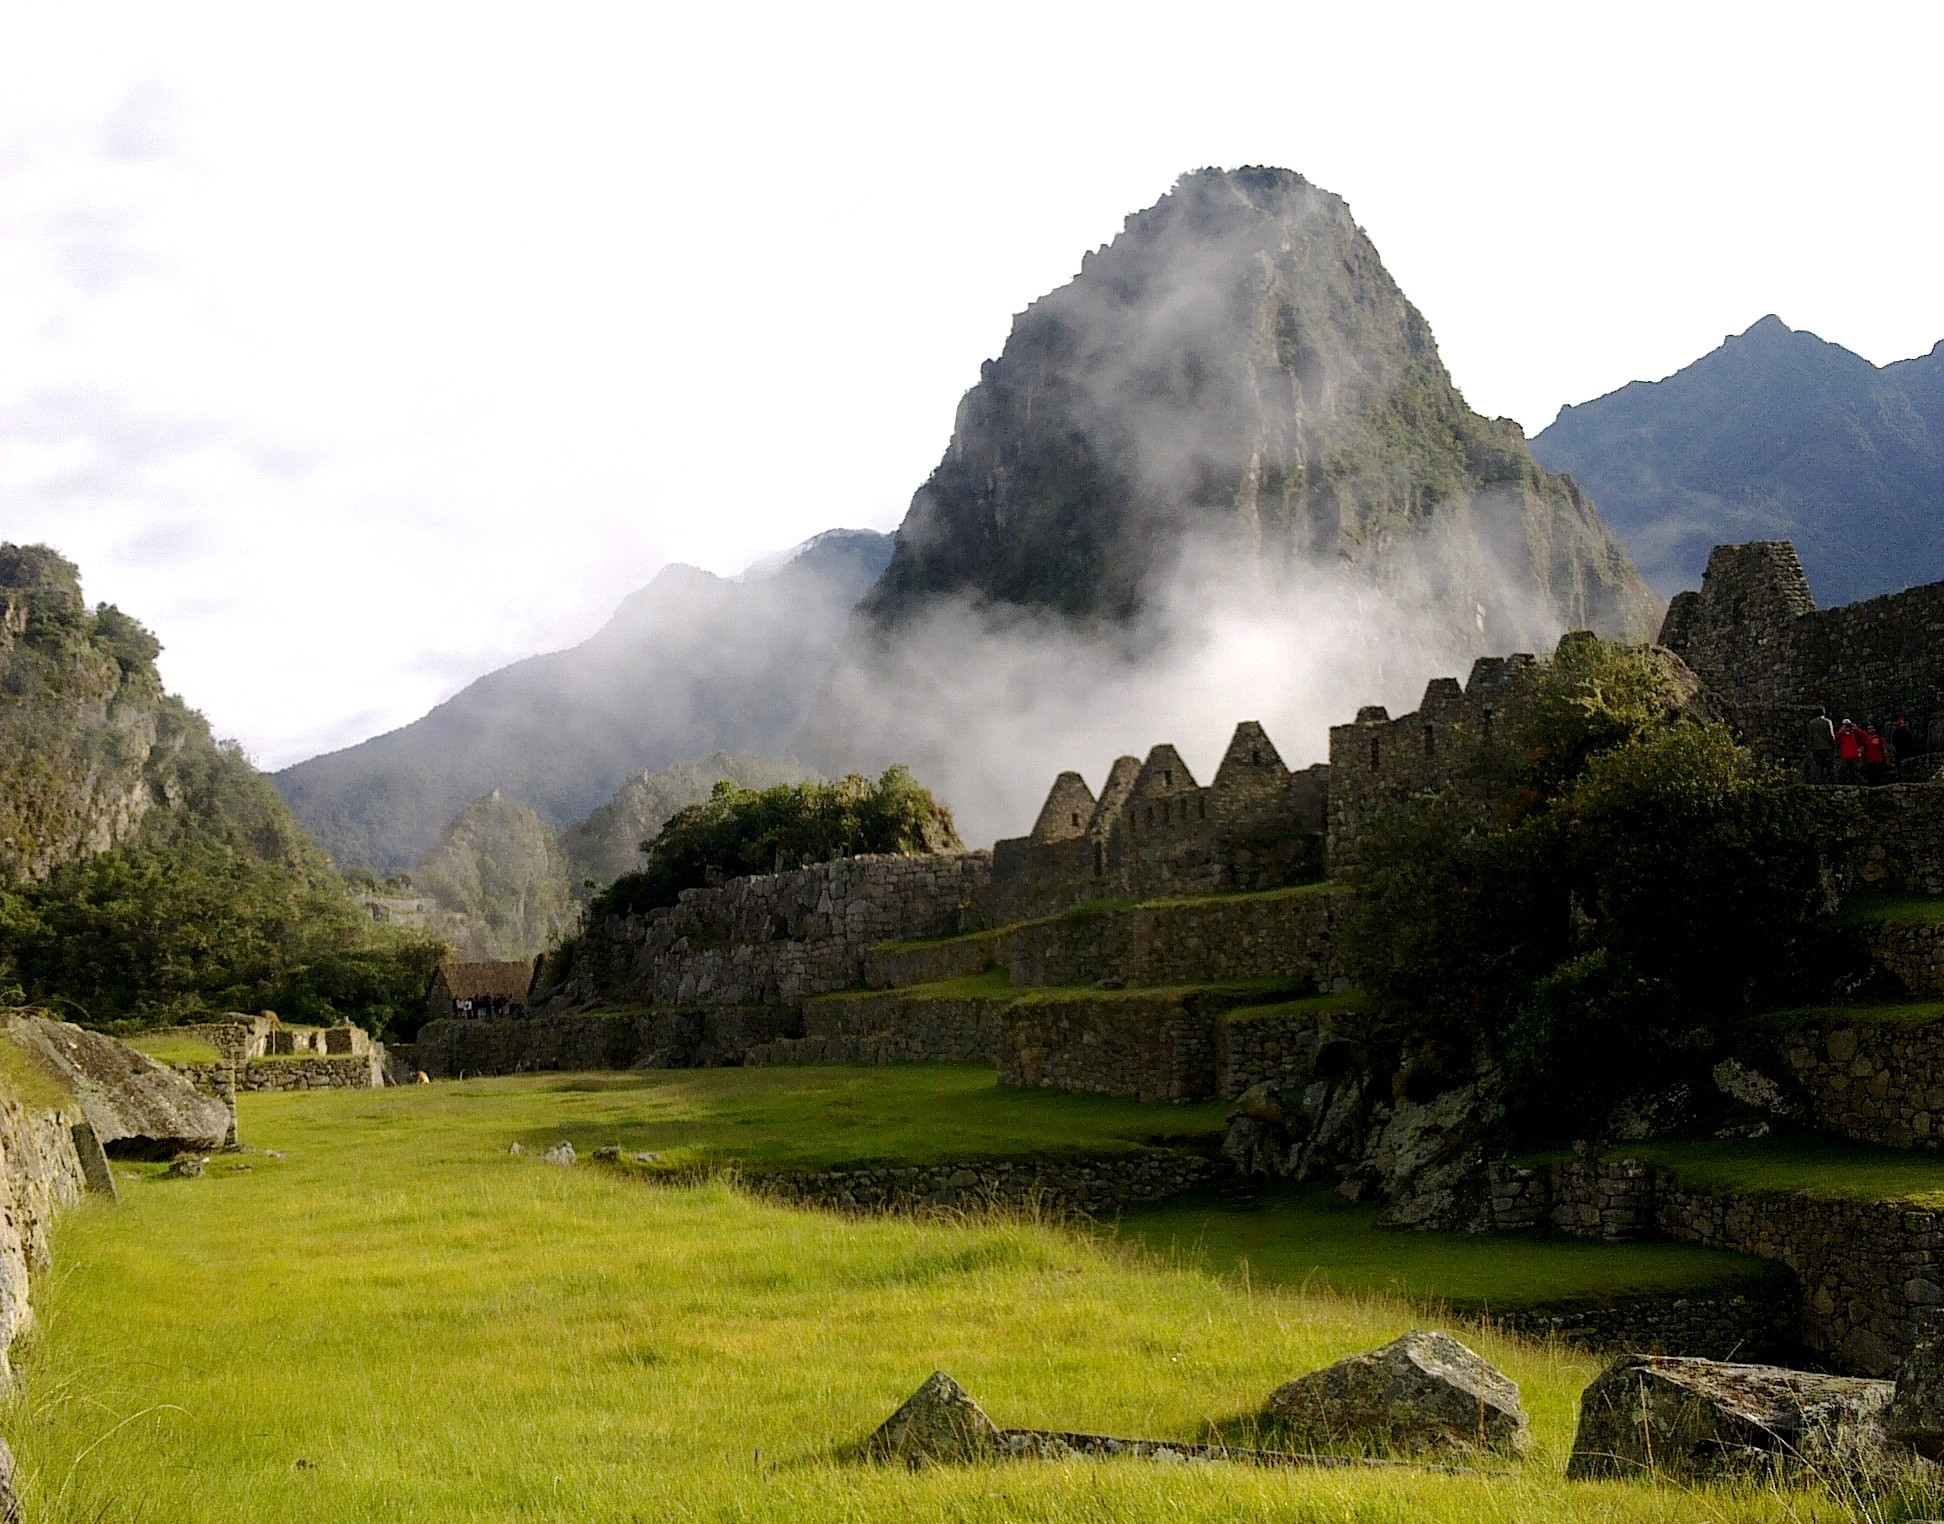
(1612, 919)
(741, 830)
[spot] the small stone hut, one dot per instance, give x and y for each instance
(478, 982)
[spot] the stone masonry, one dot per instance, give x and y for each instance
(1093, 1184)
(1874, 1081)
(778, 938)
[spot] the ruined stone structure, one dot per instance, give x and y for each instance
(1754, 636)
(1155, 831)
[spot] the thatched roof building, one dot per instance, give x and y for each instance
(477, 982)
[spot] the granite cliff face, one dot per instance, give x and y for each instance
(90, 745)
(1232, 401)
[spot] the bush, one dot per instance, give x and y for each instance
(741, 831)
(1612, 919)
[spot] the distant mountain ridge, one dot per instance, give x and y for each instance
(690, 665)
(1775, 435)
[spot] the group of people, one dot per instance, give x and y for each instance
(1858, 753)
(487, 1005)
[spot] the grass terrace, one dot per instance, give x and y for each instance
(1896, 908)
(1903, 1013)
(1829, 1171)
(171, 1047)
(396, 1320)
(1309, 1236)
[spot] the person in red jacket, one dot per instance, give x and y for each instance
(1876, 761)
(1849, 753)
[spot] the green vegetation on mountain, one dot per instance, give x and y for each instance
(502, 878)
(792, 825)
(608, 843)
(1634, 892)
(149, 874)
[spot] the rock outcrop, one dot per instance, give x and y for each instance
(1421, 1392)
(937, 1423)
(1703, 1420)
(130, 1099)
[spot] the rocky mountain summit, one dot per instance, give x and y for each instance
(1776, 435)
(1231, 414)
(691, 664)
(1239, 366)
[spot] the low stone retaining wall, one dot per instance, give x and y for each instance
(1875, 1081)
(889, 1029)
(1292, 932)
(1291, 1049)
(894, 965)
(365, 1072)
(660, 1039)
(1096, 1185)
(1149, 1047)
(1913, 953)
(1747, 1320)
(1865, 1269)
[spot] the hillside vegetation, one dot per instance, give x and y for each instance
(147, 872)
(745, 830)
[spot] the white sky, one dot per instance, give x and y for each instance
(360, 349)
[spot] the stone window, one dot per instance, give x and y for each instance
(1255, 756)
(1430, 740)
(1076, 817)
(1167, 777)
(1376, 752)
(1201, 806)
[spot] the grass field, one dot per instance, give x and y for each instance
(1313, 1237)
(398, 1321)
(167, 1047)
(1900, 909)
(1832, 1171)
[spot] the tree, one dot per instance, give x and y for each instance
(740, 831)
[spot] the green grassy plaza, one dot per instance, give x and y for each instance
(398, 1320)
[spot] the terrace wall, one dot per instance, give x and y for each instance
(1149, 1047)
(1093, 1184)
(775, 939)
(1874, 1081)
(660, 1039)
(1866, 1269)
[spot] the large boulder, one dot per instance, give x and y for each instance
(1699, 1419)
(937, 1423)
(1429, 1160)
(130, 1099)
(1423, 1391)
(1915, 1416)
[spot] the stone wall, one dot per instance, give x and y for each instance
(890, 1028)
(1890, 837)
(1292, 1050)
(342, 1072)
(1152, 1047)
(1755, 636)
(1755, 1319)
(1294, 933)
(1874, 1081)
(1865, 1269)
(1095, 1184)
(693, 1037)
(1155, 831)
(1911, 954)
(894, 965)
(775, 939)
(40, 1174)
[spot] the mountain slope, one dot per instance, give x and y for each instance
(691, 664)
(1232, 405)
(1776, 435)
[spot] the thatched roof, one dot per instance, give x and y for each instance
(482, 981)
